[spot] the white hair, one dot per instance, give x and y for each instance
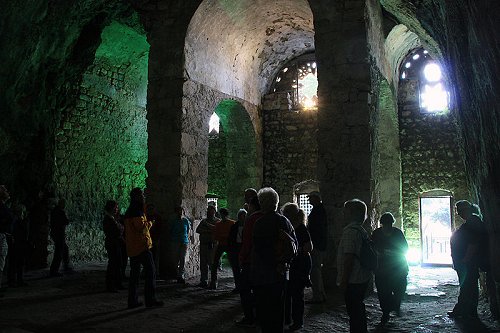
(268, 199)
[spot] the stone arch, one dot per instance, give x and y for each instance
(239, 151)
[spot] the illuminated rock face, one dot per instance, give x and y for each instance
(76, 119)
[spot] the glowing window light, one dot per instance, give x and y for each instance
(408, 65)
(313, 65)
(425, 51)
(434, 98)
(285, 69)
(432, 72)
(213, 125)
(413, 256)
(278, 79)
(416, 56)
(403, 76)
(308, 90)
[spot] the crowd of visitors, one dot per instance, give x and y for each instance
(274, 254)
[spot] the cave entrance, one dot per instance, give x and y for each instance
(436, 213)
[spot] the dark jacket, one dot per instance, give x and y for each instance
(317, 226)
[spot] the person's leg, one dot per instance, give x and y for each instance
(3, 254)
(246, 295)
(384, 293)
(65, 255)
(270, 307)
(219, 250)
(288, 303)
(147, 262)
(400, 283)
(318, 288)
(235, 268)
(133, 283)
(182, 261)
(56, 260)
(298, 303)
(109, 270)
(204, 260)
(354, 296)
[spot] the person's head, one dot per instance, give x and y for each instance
(464, 209)
(293, 213)
(211, 211)
(4, 194)
(355, 211)
(253, 205)
(224, 213)
(137, 196)
(242, 214)
(268, 199)
(387, 220)
(314, 198)
(111, 207)
(249, 194)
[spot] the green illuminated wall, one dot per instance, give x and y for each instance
(101, 143)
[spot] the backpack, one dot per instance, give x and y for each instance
(285, 248)
(367, 255)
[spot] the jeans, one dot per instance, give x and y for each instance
(61, 252)
(318, 288)
(206, 259)
(468, 297)
(146, 260)
(354, 296)
(390, 290)
(178, 251)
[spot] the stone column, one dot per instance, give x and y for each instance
(343, 117)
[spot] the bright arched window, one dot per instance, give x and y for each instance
(433, 95)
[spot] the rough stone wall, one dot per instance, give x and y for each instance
(289, 144)
(343, 116)
(430, 155)
(386, 153)
(101, 146)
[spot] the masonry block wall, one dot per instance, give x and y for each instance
(290, 145)
(430, 155)
(101, 148)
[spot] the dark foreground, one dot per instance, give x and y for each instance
(78, 303)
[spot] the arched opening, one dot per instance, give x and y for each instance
(232, 156)
(301, 192)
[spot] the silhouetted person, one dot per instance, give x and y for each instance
(113, 232)
(205, 229)
(139, 243)
(247, 294)
(465, 245)
(300, 268)
(21, 236)
(221, 236)
(485, 266)
(180, 229)
(234, 247)
(390, 276)
(352, 278)
(6, 220)
(58, 223)
(39, 219)
(317, 226)
(248, 195)
(268, 275)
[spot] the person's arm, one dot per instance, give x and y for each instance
(348, 265)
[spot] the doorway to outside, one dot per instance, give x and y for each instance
(436, 213)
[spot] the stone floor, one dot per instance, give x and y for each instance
(77, 303)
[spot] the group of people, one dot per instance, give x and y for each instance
(24, 238)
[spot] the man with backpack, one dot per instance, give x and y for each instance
(352, 277)
(274, 246)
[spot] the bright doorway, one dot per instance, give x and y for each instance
(436, 213)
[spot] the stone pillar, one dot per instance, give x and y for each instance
(171, 175)
(343, 117)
